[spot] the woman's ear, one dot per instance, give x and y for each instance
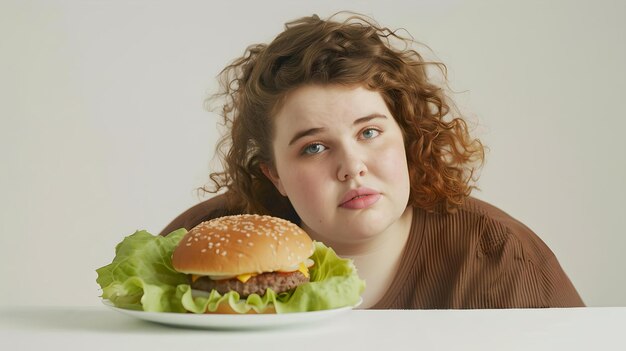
(272, 175)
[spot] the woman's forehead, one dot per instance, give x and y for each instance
(329, 103)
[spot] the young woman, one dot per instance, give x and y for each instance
(335, 128)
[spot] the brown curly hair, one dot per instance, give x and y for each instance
(441, 155)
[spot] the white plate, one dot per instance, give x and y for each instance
(232, 321)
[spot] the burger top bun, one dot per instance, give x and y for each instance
(242, 244)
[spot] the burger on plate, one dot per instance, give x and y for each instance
(247, 254)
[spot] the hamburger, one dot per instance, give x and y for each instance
(247, 254)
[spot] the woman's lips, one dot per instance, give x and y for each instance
(359, 198)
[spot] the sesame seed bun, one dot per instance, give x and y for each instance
(242, 244)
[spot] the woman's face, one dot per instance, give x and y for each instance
(340, 159)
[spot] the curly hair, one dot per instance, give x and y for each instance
(441, 155)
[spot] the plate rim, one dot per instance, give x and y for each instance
(231, 321)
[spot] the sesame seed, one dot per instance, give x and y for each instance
(203, 250)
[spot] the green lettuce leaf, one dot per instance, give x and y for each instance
(141, 277)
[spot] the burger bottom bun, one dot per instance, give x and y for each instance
(224, 308)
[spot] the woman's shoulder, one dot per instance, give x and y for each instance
(476, 212)
(226, 204)
(214, 207)
(483, 208)
(493, 230)
(501, 254)
(533, 247)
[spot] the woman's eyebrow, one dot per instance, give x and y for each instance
(368, 118)
(303, 133)
(313, 131)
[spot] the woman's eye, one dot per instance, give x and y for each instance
(313, 149)
(370, 133)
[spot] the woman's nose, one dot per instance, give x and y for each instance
(351, 166)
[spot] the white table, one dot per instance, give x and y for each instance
(99, 328)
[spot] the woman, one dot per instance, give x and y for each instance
(336, 129)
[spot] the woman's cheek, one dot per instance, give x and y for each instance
(393, 161)
(304, 186)
(393, 170)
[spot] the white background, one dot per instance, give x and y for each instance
(103, 131)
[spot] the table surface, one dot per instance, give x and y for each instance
(101, 328)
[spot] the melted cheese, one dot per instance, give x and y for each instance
(304, 270)
(244, 277)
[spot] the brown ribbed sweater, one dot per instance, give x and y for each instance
(478, 257)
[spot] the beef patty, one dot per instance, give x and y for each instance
(276, 281)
